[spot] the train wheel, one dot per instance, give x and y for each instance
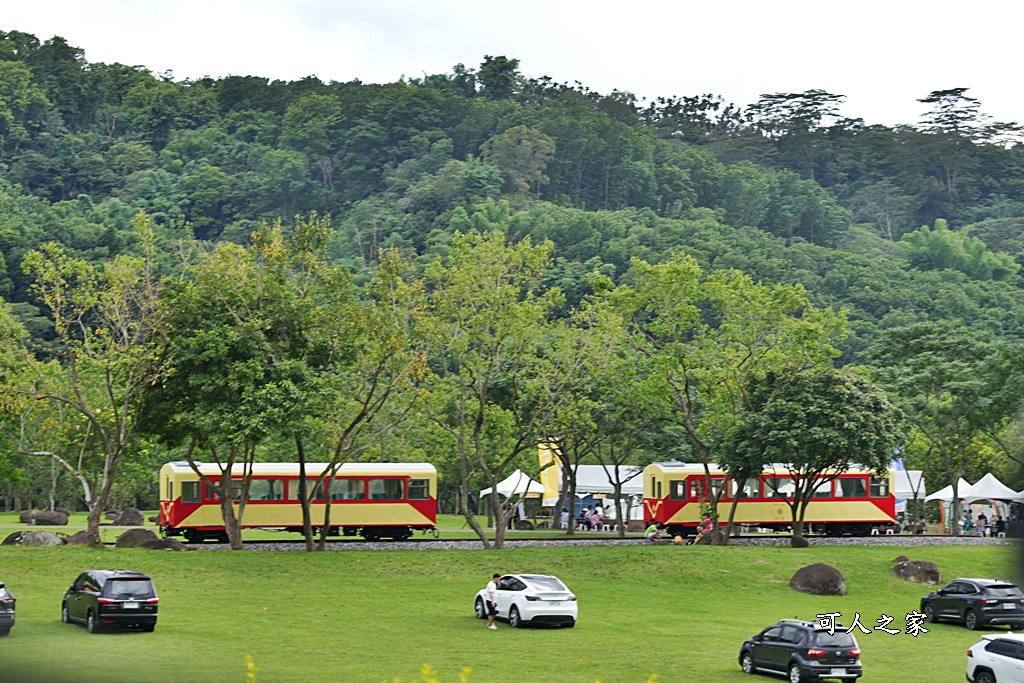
(402, 534)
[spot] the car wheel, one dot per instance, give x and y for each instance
(747, 663)
(64, 616)
(480, 612)
(1017, 625)
(570, 624)
(929, 612)
(984, 677)
(5, 632)
(90, 623)
(513, 617)
(148, 628)
(971, 620)
(794, 674)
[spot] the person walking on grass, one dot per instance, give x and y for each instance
(492, 601)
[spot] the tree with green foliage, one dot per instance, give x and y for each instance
(952, 384)
(941, 248)
(110, 326)
(499, 372)
(708, 338)
(522, 154)
(809, 428)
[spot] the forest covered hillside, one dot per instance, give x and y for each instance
(451, 268)
(917, 222)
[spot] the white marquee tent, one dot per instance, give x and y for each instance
(990, 488)
(516, 483)
(946, 494)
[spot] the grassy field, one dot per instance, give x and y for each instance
(680, 612)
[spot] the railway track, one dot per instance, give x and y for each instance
(518, 542)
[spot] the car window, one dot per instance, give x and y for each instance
(1007, 648)
(547, 583)
(792, 634)
(953, 588)
(503, 584)
(1004, 591)
(968, 588)
(772, 634)
(4, 593)
(837, 639)
(129, 588)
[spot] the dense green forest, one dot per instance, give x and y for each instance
(913, 225)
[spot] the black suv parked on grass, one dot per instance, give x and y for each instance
(110, 597)
(976, 603)
(802, 650)
(6, 610)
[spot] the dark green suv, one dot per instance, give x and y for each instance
(801, 651)
(110, 597)
(6, 610)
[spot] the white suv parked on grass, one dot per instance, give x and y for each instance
(997, 658)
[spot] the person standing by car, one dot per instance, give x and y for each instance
(492, 601)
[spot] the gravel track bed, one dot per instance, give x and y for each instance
(476, 545)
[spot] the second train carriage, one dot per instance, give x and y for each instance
(373, 500)
(855, 502)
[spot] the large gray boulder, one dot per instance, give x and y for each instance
(27, 516)
(79, 538)
(135, 538)
(918, 571)
(55, 518)
(164, 544)
(112, 515)
(130, 517)
(819, 579)
(13, 539)
(41, 539)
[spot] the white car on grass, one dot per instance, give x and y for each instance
(997, 658)
(531, 599)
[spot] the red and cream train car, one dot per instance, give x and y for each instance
(373, 500)
(853, 503)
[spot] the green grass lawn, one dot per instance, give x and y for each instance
(680, 612)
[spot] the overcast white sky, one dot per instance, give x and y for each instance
(883, 55)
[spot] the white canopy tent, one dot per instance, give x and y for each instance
(516, 483)
(946, 494)
(909, 484)
(595, 479)
(990, 488)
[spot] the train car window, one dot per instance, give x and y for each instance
(348, 489)
(677, 489)
(697, 489)
(266, 489)
(170, 489)
(751, 489)
(778, 487)
(386, 489)
(823, 490)
(313, 485)
(419, 489)
(879, 487)
(236, 489)
(851, 487)
(190, 491)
